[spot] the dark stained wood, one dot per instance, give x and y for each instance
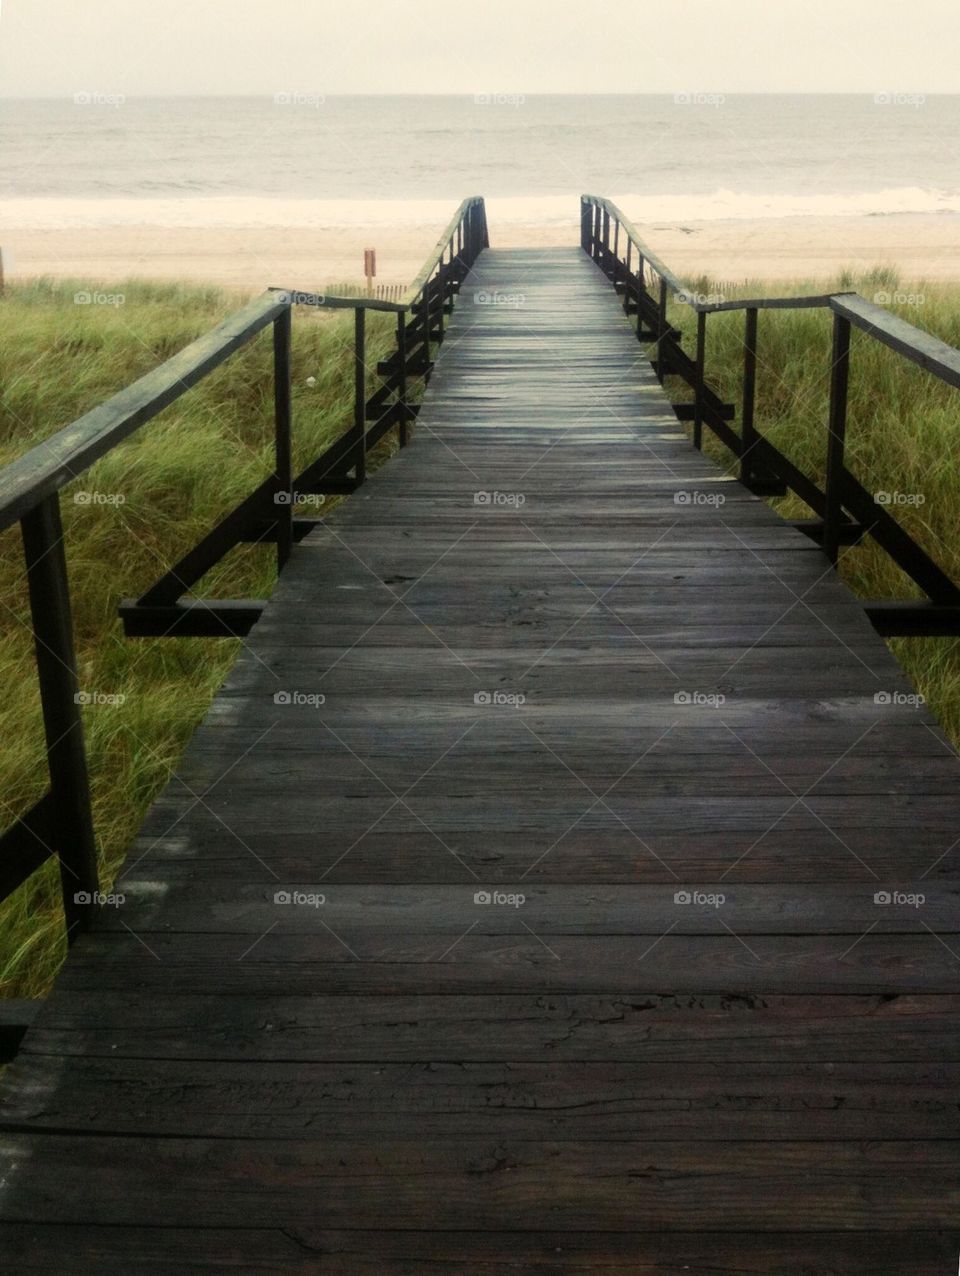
(920, 347)
(637, 699)
(16, 1016)
(485, 1183)
(354, 1252)
(565, 1100)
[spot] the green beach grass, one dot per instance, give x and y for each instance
(157, 495)
(182, 472)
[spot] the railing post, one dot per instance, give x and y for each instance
(605, 251)
(748, 433)
(662, 330)
(360, 391)
(75, 842)
(585, 221)
(596, 233)
(283, 444)
(839, 385)
(699, 389)
(615, 262)
(641, 292)
(426, 331)
(442, 291)
(402, 408)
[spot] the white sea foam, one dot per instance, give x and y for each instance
(203, 212)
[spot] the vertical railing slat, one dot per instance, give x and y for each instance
(402, 376)
(74, 840)
(360, 391)
(700, 386)
(748, 432)
(283, 432)
(836, 437)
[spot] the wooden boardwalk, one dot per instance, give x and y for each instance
(552, 938)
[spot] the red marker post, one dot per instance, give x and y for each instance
(370, 268)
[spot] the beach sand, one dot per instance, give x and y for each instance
(922, 246)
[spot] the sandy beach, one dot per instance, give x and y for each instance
(922, 246)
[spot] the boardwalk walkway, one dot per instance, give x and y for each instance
(570, 668)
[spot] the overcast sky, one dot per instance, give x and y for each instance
(51, 48)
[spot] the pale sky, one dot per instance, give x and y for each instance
(55, 48)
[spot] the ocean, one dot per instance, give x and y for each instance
(300, 159)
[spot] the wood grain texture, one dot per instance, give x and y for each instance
(565, 879)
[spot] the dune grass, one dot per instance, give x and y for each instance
(158, 494)
(903, 433)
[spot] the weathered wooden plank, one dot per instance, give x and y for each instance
(570, 1101)
(483, 1183)
(356, 1252)
(372, 1017)
(152, 900)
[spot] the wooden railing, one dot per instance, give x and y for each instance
(845, 511)
(60, 824)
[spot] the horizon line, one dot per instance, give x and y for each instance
(147, 97)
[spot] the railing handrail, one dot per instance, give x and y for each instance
(687, 296)
(663, 270)
(52, 464)
(327, 301)
(846, 512)
(406, 302)
(435, 258)
(922, 348)
(56, 461)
